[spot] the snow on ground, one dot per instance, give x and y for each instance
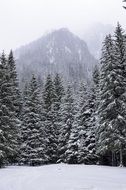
(63, 177)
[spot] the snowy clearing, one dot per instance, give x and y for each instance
(63, 177)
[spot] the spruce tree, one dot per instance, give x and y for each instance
(33, 137)
(111, 130)
(48, 94)
(68, 113)
(96, 75)
(59, 90)
(96, 89)
(8, 120)
(86, 149)
(72, 152)
(2, 137)
(120, 61)
(59, 93)
(107, 105)
(15, 84)
(16, 95)
(49, 120)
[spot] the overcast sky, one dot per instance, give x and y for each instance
(23, 21)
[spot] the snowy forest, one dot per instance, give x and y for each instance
(51, 121)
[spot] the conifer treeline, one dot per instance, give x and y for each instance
(54, 123)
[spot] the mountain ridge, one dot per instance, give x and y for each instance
(57, 52)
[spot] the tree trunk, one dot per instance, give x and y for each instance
(121, 157)
(113, 158)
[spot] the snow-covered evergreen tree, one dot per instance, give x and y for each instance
(58, 97)
(48, 93)
(112, 121)
(73, 143)
(95, 87)
(2, 137)
(81, 143)
(68, 113)
(59, 93)
(72, 153)
(33, 140)
(49, 120)
(120, 61)
(16, 95)
(8, 120)
(15, 84)
(96, 75)
(86, 123)
(107, 106)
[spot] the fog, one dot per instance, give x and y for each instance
(23, 21)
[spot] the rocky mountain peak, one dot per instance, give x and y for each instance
(59, 51)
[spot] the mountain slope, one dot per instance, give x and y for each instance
(60, 51)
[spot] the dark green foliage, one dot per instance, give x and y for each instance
(67, 112)
(9, 122)
(15, 84)
(48, 94)
(32, 147)
(49, 108)
(87, 152)
(112, 112)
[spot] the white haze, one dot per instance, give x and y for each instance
(23, 21)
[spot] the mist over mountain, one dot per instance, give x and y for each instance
(57, 52)
(94, 37)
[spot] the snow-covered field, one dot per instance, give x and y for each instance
(63, 177)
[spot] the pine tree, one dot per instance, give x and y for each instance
(73, 143)
(90, 123)
(107, 104)
(68, 112)
(49, 120)
(8, 120)
(15, 84)
(16, 95)
(59, 91)
(120, 59)
(72, 153)
(58, 97)
(48, 94)
(96, 75)
(33, 147)
(86, 149)
(95, 87)
(2, 137)
(96, 91)
(111, 130)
